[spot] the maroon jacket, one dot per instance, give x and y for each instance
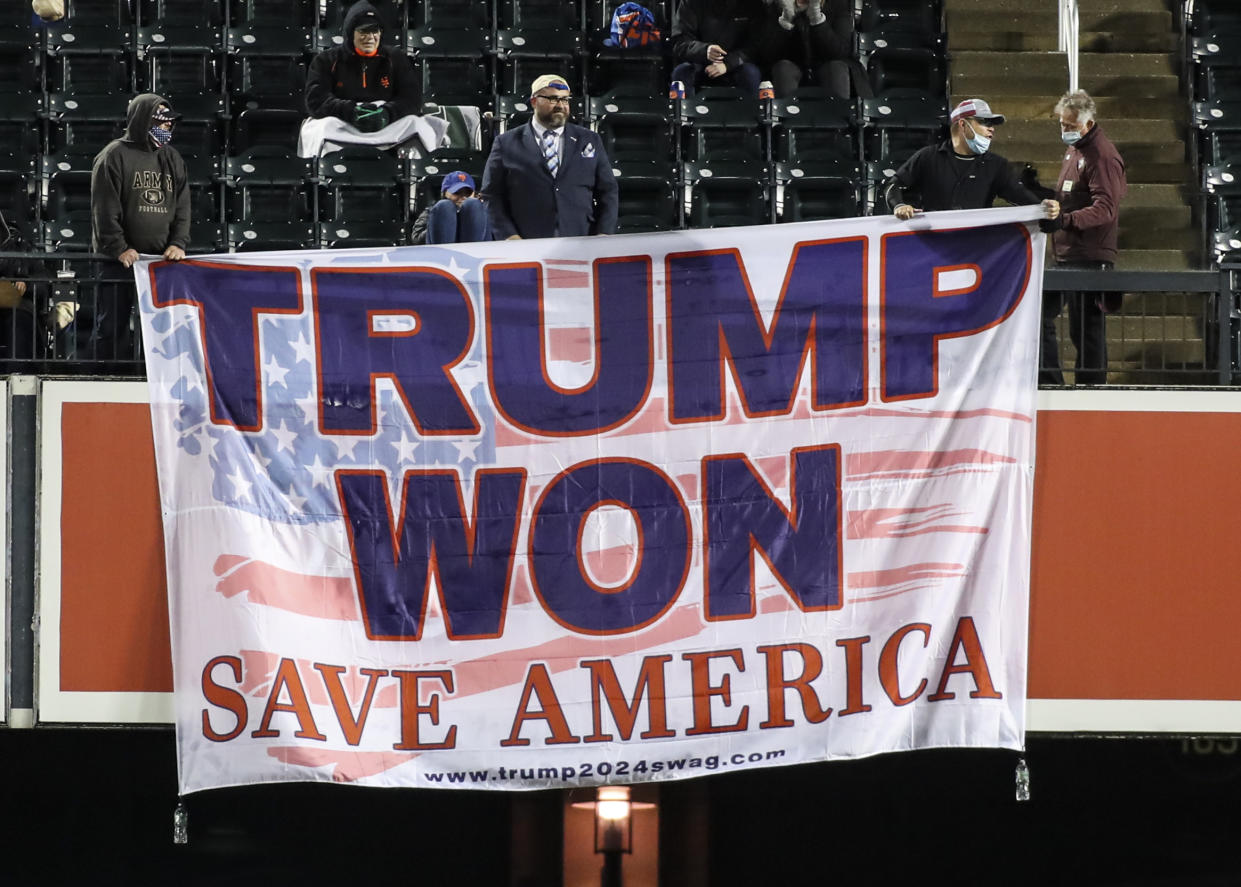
(1092, 184)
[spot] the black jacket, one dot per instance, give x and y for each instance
(805, 44)
(732, 24)
(934, 178)
(139, 194)
(339, 78)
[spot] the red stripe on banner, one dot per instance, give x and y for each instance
(347, 766)
(611, 566)
(571, 344)
(889, 579)
(562, 278)
(895, 523)
(324, 597)
(508, 667)
(860, 464)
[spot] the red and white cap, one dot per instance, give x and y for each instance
(976, 108)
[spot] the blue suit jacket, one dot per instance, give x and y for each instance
(523, 198)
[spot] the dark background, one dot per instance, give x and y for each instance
(95, 806)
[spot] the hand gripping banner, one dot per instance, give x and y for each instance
(555, 513)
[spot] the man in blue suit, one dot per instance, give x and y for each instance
(548, 177)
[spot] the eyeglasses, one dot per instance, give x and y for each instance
(555, 99)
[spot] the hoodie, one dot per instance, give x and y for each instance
(139, 194)
(340, 78)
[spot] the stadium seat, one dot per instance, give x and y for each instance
(68, 194)
(256, 127)
(178, 72)
(267, 185)
(722, 125)
(1219, 128)
(92, 26)
(358, 185)
(893, 128)
(642, 70)
(647, 197)
(813, 128)
(726, 194)
(90, 73)
(274, 13)
(15, 188)
(361, 234)
(267, 67)
(19, 64)
(455, 80)
(545, 15)
(253, 236)
(518, 70)
(923, 16)
(633, 128)
(70, 234)
(85, 121)
(19, 123)
(823, 190)
(907, 72)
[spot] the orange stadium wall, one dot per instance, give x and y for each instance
(1135, 562)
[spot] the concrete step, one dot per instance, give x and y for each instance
(1155, 260)
(1164, 305)
(1007, 37)
(1171, 171)
(1129, 131)
(1136, 236)
(1034, 107)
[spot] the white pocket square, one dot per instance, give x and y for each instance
(588, 151)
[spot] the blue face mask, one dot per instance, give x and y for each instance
(978, 144)
(1072, 137)
(160, 136)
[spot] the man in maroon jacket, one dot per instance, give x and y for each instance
(1092, 183)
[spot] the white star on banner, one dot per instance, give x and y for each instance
(454, 269)
(284, 437)
(405, 449)
(345, 445)
(241, 486)
(275, 372)
(303, 350)
(296, 502)
(320, 474)
(466, 448)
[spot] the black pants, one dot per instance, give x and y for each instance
(832, 76)
(1086, 328)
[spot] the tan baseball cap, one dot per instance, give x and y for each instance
(553, 81)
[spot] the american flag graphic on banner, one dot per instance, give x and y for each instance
(566, 512)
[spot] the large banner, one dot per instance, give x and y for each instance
(563, 512)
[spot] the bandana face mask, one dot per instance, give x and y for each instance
(160, 136)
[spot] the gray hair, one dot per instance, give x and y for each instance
(1079, 103)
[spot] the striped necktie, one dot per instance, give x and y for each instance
(549, 152)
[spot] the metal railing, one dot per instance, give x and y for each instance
(1174, 327)
(1068, 37)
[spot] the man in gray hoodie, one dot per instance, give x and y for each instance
(140, 203)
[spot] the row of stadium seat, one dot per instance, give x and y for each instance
(1215, 58)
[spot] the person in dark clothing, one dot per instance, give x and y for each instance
(1091, 186)
(960, 173)
(812, 38)
(361, 82)
(140, 204)
(713, 44)
(459, 217)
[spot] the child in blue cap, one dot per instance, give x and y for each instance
(459, 217)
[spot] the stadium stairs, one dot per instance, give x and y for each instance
(1129, 60)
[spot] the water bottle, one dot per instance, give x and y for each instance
(676, 90)
(766, 90)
